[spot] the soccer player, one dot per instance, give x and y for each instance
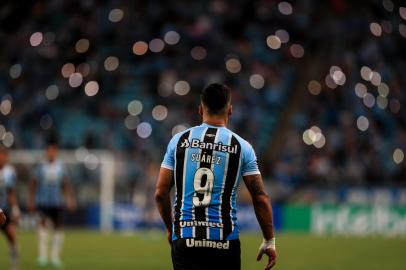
(205, 164)
(8, 202)
(49, 191)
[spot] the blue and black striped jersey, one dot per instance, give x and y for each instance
(7, 182)
(50, 178)
(208, 162)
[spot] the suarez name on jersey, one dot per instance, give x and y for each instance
(208, 162)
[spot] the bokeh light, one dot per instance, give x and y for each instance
(369, 100)
(67, 70)
(383, 89)
(140, 48)
(233, 65)
(144, 130)
(198, 53)
(388, 5)
(36, 39)
(376, 29)
(172, 37)
(394, 105)
(337, 75)
(366, 73)
(362, 123)
(376, 78)
(181, 88)
(283, 35)
(320, 142)
(111, 63)
(15, 71)
(131, 122)
(52, 92)
(382, 102)
(314, 87)
(398, 156)
(2, 132)
(314, 136)
(273, 42)
(159, 112)
(330, 82)
(82, 45)
(402, 30)
(75, 79)
(156, 45)
(8, 139)
(402, 12)
(5, 106)
(296, 50)
(361, 90)
(285, 8)
(257, 81)
(91, 88)
(134, 107)
(116, 15)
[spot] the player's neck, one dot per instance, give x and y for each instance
(215, 121)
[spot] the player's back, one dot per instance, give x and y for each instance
(49, 177)
(208, 162)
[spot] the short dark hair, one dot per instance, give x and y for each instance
(52, 139)
(215, 97)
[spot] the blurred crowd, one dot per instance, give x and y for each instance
(350, 128)
(126, 75)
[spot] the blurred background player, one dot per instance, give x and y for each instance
(50, 191)
(8, 202)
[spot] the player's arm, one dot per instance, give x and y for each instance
(2, 217)
(13, 202)
(12, 197)
(69, 194)
(163, 198)
(263, 212)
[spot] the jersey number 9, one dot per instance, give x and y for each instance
(204, 191)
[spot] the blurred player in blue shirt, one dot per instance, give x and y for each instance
(9, 204)
(205, 164)
(50, 192)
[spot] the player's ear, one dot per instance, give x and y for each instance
(201, 110)
(230, 110)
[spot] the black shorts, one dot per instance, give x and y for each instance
(54, 213)
(188, 254)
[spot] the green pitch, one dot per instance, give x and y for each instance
(149, 251)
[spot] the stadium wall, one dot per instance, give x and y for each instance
(321, 219)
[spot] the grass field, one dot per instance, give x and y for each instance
(149, 251)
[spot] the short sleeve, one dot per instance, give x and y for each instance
(169, 158)
(249, 165)
(11, 178)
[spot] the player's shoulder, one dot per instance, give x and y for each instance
(9, 169)
(244, 143)
(177, 136)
